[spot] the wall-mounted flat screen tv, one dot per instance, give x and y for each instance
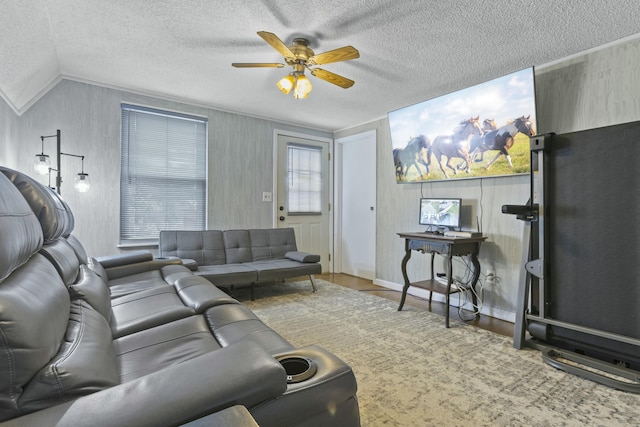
(440, 214)
(476, 132)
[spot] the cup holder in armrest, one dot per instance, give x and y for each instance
(298, 369)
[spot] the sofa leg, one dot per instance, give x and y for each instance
(313, 283)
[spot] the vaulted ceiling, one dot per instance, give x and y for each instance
(182, 50)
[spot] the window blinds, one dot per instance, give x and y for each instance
(304, 180)
(163, 173)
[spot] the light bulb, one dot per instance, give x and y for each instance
(303, 87)
(286, 84)
(82, 183)
(42, 164)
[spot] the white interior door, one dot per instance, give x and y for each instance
(356, 193)
(302, 200)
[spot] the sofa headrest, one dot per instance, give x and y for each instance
(20, 232)
(55, 216)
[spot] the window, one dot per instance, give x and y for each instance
(163, 180)
(304, 180)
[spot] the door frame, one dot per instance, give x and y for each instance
(274, 184)
(337, 211)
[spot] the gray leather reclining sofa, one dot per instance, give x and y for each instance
(138, 342)
(241, 257)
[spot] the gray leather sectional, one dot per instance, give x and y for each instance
(241, 257)
(131, 340)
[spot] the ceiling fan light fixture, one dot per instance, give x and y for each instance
(301, 57)
(303, 87)
(286, 84)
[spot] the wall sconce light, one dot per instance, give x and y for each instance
(42, 166)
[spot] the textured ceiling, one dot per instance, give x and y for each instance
(410, 51)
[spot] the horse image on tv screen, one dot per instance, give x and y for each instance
(479, 131)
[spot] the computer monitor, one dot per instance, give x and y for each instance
(440, 213)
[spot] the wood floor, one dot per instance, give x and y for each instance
(485, 322)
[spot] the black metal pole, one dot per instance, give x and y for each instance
(59, 176)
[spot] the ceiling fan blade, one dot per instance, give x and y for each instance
(330, 77)
(277, 44)
(257, 65)
(341, 54)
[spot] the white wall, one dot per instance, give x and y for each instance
(596, 89)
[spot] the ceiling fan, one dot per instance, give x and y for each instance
(300, 56)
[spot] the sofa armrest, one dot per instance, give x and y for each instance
(302, 256)
(121, 265)
(241, 374)
(199, 294)
(118, 260)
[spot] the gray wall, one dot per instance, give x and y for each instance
(597, 89)
(240, 157)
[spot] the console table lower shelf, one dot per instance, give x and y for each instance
(448, 246)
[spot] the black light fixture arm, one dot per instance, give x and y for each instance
(58, 156)
(75, 155)
(58, 176)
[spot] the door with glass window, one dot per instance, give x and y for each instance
(302, 193)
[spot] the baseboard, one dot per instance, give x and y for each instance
(496, 313)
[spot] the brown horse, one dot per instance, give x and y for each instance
(502, 139)
(456, 145)
(415, 152)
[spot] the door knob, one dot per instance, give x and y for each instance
(281, 218)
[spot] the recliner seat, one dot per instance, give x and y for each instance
(168, 352)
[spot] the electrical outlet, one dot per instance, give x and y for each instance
(266, 196)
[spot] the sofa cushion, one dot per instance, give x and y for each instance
(81, 253)
(271, 243)
(34, 312)
(146, 309)
(136, 283)
(91, 288)
(228, 274)
(205, 247)
(63, 258)
(237, 245)
(153, 349)
(278, 269)
(20, 231)
(53, 213)
(85, 363)
(97, 268)
(233, 323)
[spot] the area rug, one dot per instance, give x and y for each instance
(412, 371)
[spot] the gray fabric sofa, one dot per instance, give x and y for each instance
(134, 341)
(241, 257)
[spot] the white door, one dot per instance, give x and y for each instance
(356, 193)
(302, 200)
